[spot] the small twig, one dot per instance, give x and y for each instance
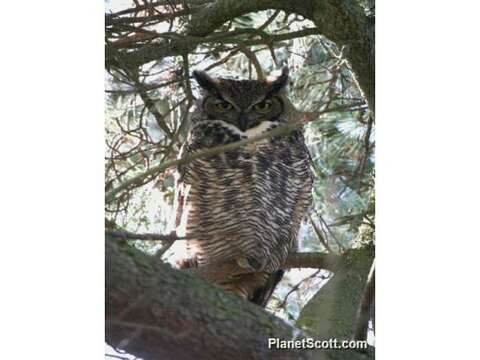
(118, 357)
(125, 235)
(188, 85)
(361, 166)
(153, 4)
(281, 130)
(320, 236)
(296, 287)
(269, 21)
(165, 246)
(253, 60)
(150, 104)
(112, 21)
(175, 44)
(323, 223)
(278, 131)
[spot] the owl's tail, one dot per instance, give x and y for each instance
(262, 294)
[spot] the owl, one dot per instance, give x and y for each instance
(244, 205)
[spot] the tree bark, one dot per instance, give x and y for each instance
(332, 312)
(156, 312)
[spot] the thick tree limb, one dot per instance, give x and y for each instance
(155, 312)
(313, 260)
(330, 262)
(333, 310)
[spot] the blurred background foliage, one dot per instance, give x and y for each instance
(147, 109)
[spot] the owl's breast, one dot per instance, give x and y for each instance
(248, 202)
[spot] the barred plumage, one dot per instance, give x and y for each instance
(245, 204)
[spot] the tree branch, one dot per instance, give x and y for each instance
(155, 312)
(331, 262)
(343, 21)
(178, 44)
(281, 130)
(158, 3)
(126, 235)
(212, 15)
(332, 311)
(313, 260)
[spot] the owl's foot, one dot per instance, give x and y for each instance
(246, 285)
(249, 263)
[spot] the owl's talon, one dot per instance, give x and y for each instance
(243, 263)
(250, 264)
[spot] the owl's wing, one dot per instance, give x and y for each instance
(300, 139)
(196, 140)
(192, 144)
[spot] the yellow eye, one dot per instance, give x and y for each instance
(223, 106)
(264, 106)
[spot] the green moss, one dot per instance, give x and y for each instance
(332, 311)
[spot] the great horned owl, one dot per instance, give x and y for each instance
(244, 205)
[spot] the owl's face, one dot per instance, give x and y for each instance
(242, 103)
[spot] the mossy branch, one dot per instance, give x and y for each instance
(155, 312)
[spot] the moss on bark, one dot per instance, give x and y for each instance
(156, 312)
(332, 311)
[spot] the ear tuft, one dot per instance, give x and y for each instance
(205, 81)
(279, 83)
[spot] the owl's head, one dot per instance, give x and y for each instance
(242, 103)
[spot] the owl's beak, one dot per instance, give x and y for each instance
(242, 122)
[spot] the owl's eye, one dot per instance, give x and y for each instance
(223, 106)
(264, 106)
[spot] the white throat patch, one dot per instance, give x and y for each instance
(264, 126)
